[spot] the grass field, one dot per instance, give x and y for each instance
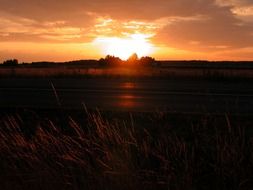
(66, 149)
(154, 72)
(92, 149)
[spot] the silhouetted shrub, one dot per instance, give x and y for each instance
(133, 59)
(148, 61)
(110, 60)
(10, 62)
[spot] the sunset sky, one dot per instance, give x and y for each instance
(61, 30)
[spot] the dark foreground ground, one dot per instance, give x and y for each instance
(126, 133)
(91, 149)
(182, 95)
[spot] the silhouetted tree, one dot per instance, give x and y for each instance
(11, 62)
(133, 59)
(102, 62)
(147, 61)
(110, 60)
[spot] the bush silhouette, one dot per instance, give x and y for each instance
(133, 58)
(10, 62)
(147, 61)
(110, 60)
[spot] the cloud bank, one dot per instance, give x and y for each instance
(204, 26)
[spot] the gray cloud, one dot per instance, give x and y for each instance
(214, 32)
(118, 9)
(234, 2)
(221, 30)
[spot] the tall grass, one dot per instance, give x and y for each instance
(118, 153)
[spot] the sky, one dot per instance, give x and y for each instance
(62, 30)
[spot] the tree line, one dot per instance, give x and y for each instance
(110, 60)
(11, 62)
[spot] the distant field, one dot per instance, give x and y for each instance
(159, 72)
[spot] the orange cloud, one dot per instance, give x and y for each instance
(184, 28)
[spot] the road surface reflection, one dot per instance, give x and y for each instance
(127, 98)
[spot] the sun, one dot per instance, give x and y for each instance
(125, 47)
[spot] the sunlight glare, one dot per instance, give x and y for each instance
(125, 47)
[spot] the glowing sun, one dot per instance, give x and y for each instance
(125, 47)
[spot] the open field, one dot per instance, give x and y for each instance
(172, 130)
(129, 72)
(176, 69)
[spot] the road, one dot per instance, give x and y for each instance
(190, 96)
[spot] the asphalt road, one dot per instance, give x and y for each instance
(190, 96)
